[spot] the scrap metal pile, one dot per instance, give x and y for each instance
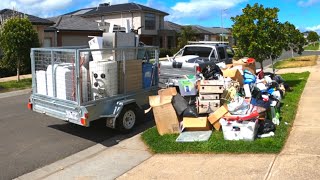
(236, 98)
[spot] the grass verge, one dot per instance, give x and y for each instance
(312, 47)
(216, 143)
(14, 85)
(301, 61)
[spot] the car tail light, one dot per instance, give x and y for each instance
(198, 69)
(83, 121)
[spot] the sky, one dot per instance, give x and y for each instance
(304, 14)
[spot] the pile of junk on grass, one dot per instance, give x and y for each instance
(237, 98)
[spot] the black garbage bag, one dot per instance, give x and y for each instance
(211, 72)
(179, 104)
(191, 111)
(266, 126)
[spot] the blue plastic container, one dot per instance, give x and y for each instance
(147, 75)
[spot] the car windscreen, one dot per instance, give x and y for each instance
(199, 51)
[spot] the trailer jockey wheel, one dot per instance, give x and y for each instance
(127, 118)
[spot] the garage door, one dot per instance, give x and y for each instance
(74, 40)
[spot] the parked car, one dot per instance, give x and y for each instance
(191, 60)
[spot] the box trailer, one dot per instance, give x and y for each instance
(68, 84)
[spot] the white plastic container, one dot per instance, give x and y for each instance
(104, 78)
(66, 82)
(233, 130)
(96, 43)
(41, 78)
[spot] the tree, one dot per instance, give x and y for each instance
(258, 32)
(294, 39)
(313, 37)
(17, 37)
(186, 34)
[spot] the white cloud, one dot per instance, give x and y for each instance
(42, 8)
(201, 8)
(306, 3)
(314, 28)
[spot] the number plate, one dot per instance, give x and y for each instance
(72, 115)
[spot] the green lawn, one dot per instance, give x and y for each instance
(312, 47)
(216, 143)
(14, 85)
(301, 61)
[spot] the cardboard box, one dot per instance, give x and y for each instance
(234, 74)
(196, 124)
(219, 113)
(217, 126)
(248, 66)
(164, 114)
(207, 106)
(171, 91)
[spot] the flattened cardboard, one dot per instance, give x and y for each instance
(196, 124)
(214, 117)
(234, 74)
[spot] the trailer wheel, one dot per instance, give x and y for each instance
(127, 118)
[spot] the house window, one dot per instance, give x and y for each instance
(150, 21)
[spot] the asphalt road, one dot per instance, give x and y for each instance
(29, 140)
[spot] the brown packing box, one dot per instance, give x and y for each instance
(196, 124)
(171, 91)
(214, 117)
(234, 74)
(217, 125)
(249, 66)
(164, 114)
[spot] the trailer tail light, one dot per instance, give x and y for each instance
(198, 69)
(159, 69)
(30, 105)
(83, 120)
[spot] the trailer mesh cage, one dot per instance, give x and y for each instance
(84, 75)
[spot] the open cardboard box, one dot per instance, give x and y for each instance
(164, 114)
(196, 124)
(248, 66)
(234, 74)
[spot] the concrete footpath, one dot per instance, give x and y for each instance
(130, 159)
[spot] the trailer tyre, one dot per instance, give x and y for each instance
(127, 118)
